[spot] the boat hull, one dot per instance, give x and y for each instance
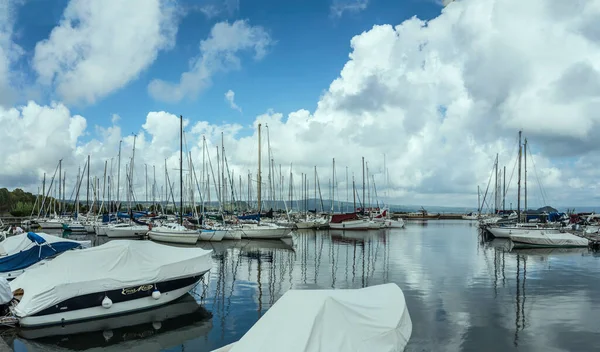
(125, 300)
(181, 238)
(126, 232)
(265, 232)
(50, 225)
(354, 225)
(548, 240)
(212, 235)
(232, 235)
(306, 225)
(507, 232)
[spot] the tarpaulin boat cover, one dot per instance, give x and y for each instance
(548, 239)
(21, 251)
(111, 266)
(365, 320)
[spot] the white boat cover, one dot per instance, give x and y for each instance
(111, 266)
(543, 239)
(364, 320)
(18, 243)
(5, 292)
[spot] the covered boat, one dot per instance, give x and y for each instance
(23, 251)
(363, 320)
(541, 239)
(114, 278)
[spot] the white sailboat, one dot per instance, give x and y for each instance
(173, 233)
(262, 230)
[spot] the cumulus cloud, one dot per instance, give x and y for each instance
(438, 98)
(100, 46)
(338, 7)
(230, 97)
(220, 52)
(10, 53)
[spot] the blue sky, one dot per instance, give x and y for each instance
(312, 45)
(439, 111)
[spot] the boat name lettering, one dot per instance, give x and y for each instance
(132, 290)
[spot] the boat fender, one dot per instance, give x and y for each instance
(156, 325)
(107, 334)
(156, 294)
(106, 302)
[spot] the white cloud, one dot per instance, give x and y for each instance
(220, 52)
(440, 99)
(230, 97)
(10, 53)
(339, 7)
(100, 46)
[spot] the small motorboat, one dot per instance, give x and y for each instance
(27, 250)
(361, 320)
(541, 239)
(117, 277)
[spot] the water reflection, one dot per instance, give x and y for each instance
(464, 292)
(170, 326)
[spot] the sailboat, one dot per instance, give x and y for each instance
(129, 229)
(262, 230)
(172, 232)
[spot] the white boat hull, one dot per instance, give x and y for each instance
(548, 240)
(264, 232)
(100, 230)
(506, 232)
(212, 235)
(100, 311)
(50, 225)
(182, 238)
(232, 235)
(355, 225)
(391, 224)
(306, 225)
(126, 232)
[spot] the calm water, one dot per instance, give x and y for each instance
(463, 294)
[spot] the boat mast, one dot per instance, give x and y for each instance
(504, 190)
(496, 187)
(59, 187)
(119, 175)
(525, 185)
(333, 189)
(146, 167)
(363, 181)
(519, 182)
(347, 198)
(354, 192)
(180, 170)
(258, 184)
(478, 201)
(87, 196)
(315, 190)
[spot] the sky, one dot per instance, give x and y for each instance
(436, 91)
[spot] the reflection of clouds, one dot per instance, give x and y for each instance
(461, 294)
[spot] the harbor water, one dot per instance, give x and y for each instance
(463, 293)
